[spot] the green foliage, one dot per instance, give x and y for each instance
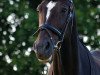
(17, 24)
(19, 20)
(88, 22)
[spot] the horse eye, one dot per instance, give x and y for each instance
(64, 10)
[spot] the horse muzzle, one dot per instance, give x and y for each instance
(43, 51)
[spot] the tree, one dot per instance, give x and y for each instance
(17, 24)
(88, 21)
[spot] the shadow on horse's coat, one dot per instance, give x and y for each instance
(58, 41)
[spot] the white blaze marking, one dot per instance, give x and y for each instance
(50, 6)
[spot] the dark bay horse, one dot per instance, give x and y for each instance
(58, 41)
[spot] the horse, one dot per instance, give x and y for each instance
(58, 41)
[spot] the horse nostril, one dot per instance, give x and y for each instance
(40, 47)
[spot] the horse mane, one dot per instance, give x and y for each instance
(75, 55)
(68, 49)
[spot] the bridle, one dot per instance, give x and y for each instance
(61, 35)
(49, 27)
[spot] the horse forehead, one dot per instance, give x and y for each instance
(50, 6)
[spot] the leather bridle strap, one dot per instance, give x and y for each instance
(53, 29)
(49, 27)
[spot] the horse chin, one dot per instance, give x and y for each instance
(46, 60)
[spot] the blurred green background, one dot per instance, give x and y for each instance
(19, 20)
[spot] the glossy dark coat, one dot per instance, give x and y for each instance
(74, 58)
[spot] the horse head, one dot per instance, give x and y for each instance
(54, 16)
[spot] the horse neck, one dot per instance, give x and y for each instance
(57, 66)
(87, 65)
(75, 57)
(67, 62)
(69, 51)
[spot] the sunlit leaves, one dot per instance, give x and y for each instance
(88, 21)
(17, 24)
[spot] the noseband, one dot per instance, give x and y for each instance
(49, 27)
